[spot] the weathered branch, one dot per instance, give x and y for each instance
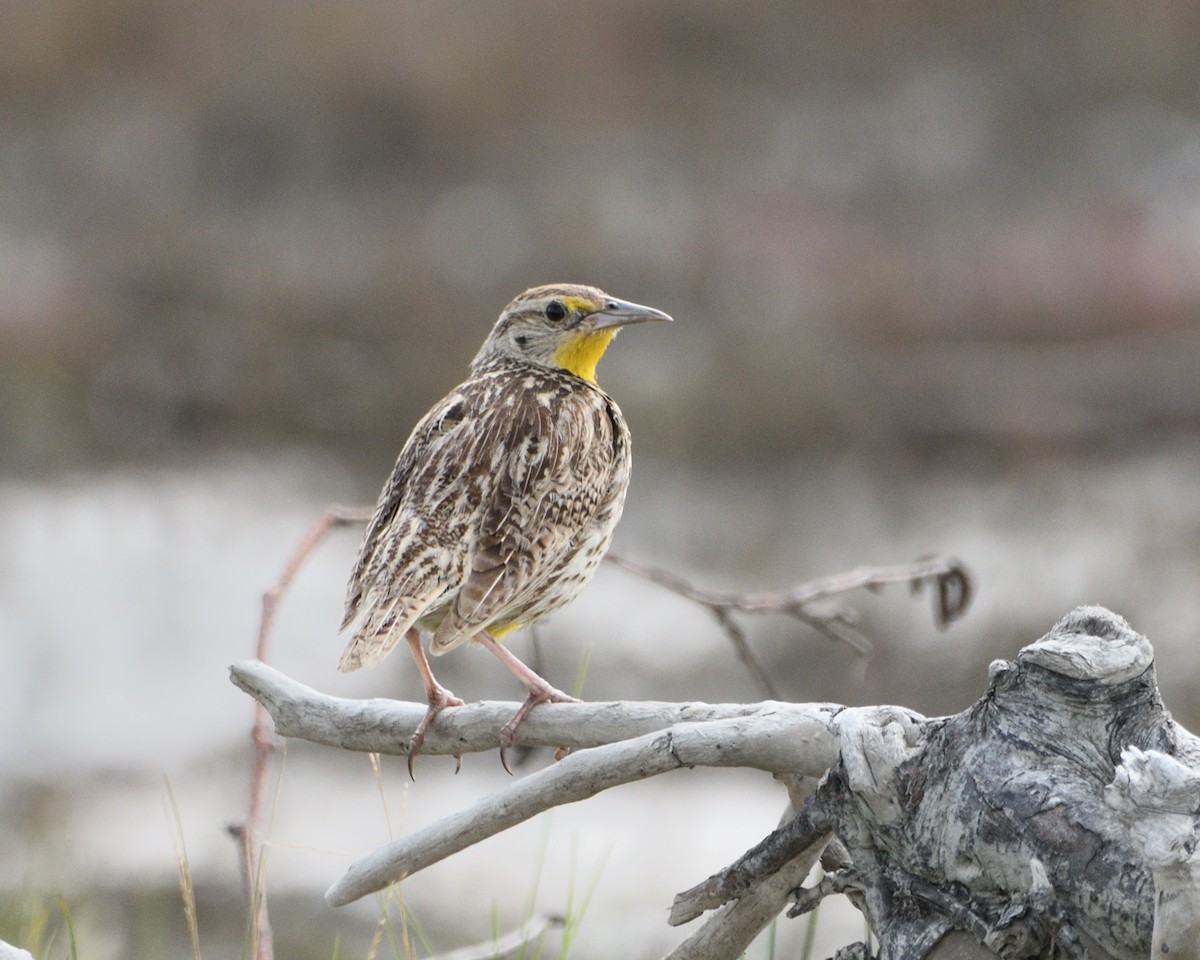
(733, 928)
(807, 831)
(628, 741)
(577, 777)
(713, 743)
(989, 833)
(777, 737)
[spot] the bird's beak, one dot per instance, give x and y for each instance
(620, 313)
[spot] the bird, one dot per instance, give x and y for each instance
(503, 500)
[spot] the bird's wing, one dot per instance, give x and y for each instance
(401, 570)
(550, 471)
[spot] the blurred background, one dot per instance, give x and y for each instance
(935, 270)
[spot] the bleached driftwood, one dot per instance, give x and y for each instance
(384, 726)
(1158, 798)
(980, 835)
(991, 825)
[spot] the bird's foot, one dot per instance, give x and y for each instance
(543, 693)
(439, 699)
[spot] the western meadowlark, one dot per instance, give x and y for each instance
(504, 499)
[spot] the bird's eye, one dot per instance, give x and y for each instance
(555, 311)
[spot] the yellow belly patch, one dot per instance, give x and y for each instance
(583, 351)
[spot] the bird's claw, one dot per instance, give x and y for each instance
(438, 701)
(508, 733)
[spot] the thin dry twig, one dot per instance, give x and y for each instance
(810, 601)
(247, 834)
(335, 516)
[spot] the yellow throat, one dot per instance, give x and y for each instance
(583, 351)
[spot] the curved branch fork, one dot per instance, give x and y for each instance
(617, 743)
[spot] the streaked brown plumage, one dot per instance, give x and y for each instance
(504, 499)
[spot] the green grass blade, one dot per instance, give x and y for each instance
(73, 944)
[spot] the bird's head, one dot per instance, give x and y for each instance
(563, 325)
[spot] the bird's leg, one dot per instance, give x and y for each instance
(437, 696)
(540, 691)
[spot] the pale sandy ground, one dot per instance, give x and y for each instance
(124, 597)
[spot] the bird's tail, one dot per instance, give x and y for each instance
(378, 625)
(366, 650)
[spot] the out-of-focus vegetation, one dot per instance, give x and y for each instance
(229, 223)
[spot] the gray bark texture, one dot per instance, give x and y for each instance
(1056, 817)
(993, 825)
